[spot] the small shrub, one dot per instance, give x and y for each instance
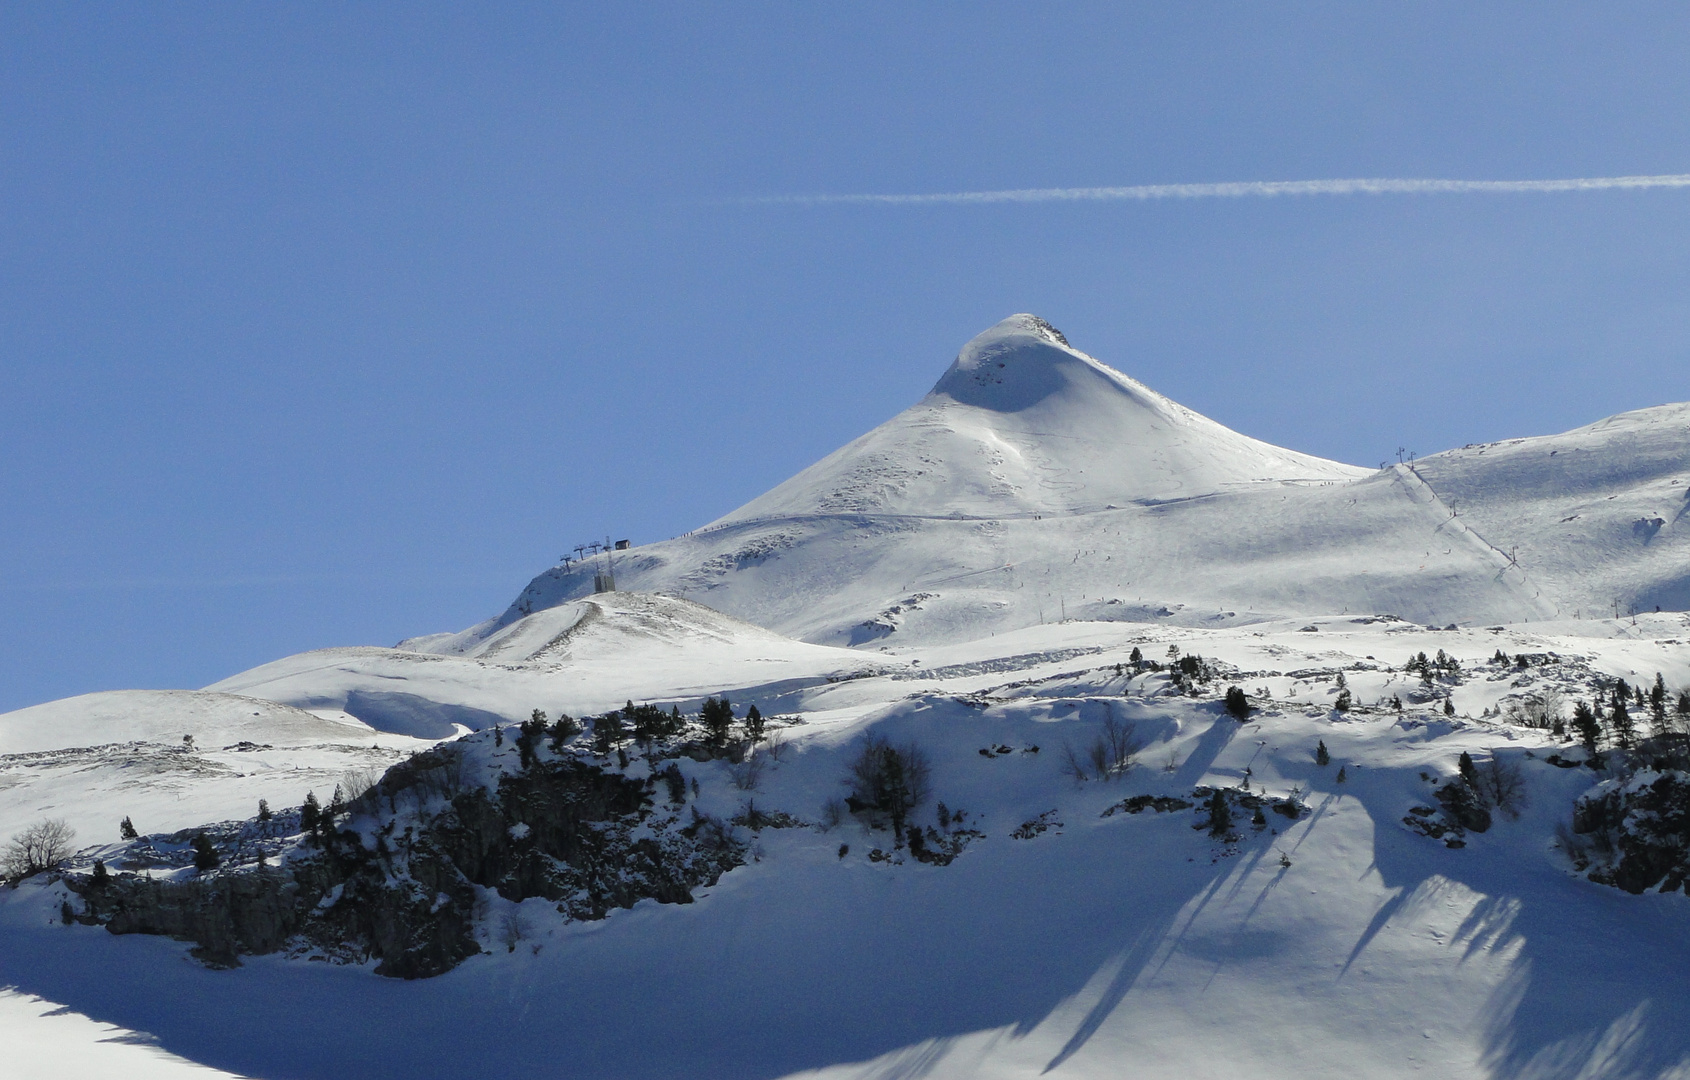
(833, 814)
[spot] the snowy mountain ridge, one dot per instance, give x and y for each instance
(1035, 483)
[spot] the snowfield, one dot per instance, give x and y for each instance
(1013, 569)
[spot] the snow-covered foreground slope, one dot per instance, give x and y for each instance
(1035, 483)
(1064, 939)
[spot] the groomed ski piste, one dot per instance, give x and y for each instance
(1343, 921)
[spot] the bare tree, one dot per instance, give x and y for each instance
(888, 779)
(1106, 757)
(747, 771)
(358, 782)
(40, 847)
(1501, 784)
(1539, 710)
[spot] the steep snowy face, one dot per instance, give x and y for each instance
(1022, 423)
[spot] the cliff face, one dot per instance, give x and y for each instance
(395, 877)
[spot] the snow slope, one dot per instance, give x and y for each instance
(165, 716)
(580, 657)
(1596, 516)
(1107, 944)
(95, 759)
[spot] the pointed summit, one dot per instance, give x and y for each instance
(1014, 365)
(1023, 423)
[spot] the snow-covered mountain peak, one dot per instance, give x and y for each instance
(1014, 365)
(1022, 423)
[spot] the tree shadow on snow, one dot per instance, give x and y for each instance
(1600, 983)
(772, 974)
(800, 962)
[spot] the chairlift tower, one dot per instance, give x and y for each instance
(604, 580)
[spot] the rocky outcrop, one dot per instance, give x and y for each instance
(1640, 830)
(395, 877)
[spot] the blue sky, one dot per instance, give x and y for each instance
(333, 324)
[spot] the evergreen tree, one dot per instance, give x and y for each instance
(676, 783)
(564, 728)
(1343, 774)
(264, 814)
(1137, 658)
(1321, 756)
(754, 723)
(1469, 772)
(309, 813)
(126, 829)
(607, 732)
(332, 813)
(1658, 706)
(1588, 727)
(528, 737)
(1449, 706)
(717, 716)
(1684, 704)
(1220, 814)
(1237, 704)
(205, 855)
(1620, 723)
(100, 876)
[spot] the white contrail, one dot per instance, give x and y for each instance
(1251, 189)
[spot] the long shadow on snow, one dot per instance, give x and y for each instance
(818, 962)
(1601, 984)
